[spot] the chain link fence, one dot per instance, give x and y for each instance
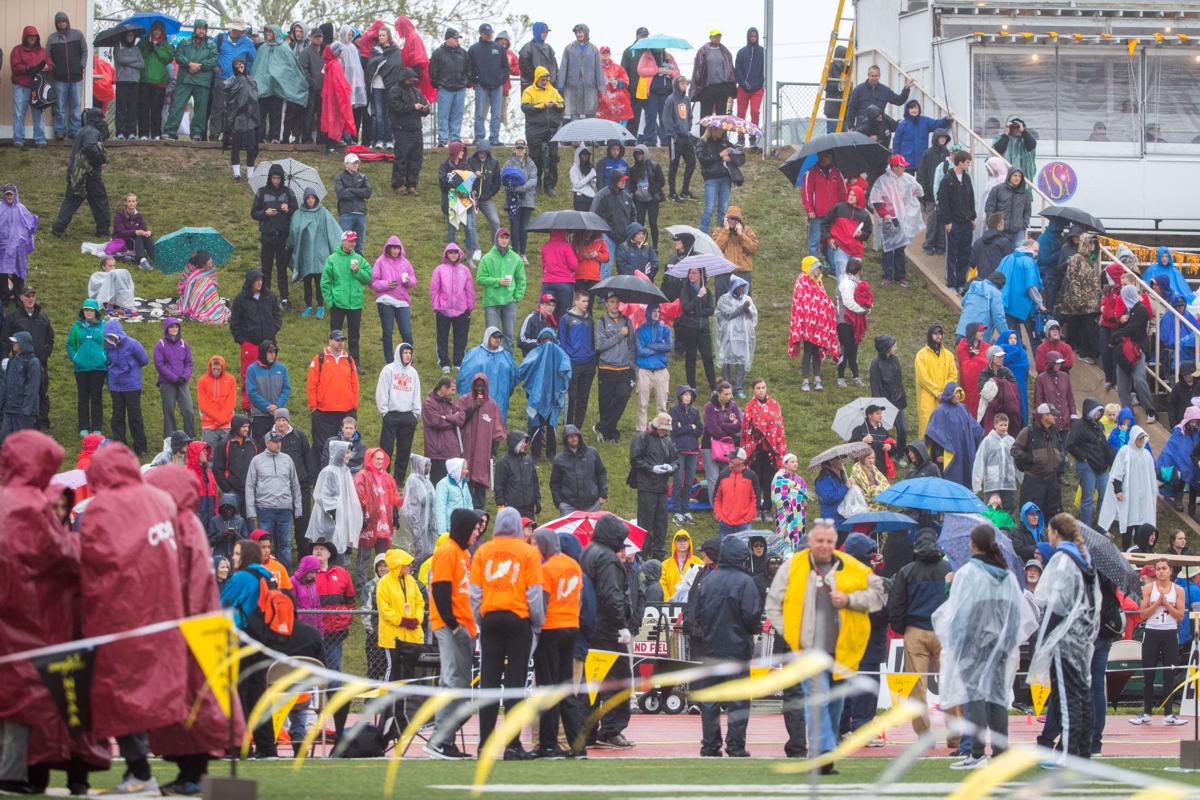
(793, 107)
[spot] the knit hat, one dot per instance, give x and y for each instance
(283, 413)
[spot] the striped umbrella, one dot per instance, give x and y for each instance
(581, 523)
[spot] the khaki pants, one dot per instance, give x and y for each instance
(922, 654)
(651, 380)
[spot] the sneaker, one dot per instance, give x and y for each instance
(674, 198)
(477, 256)
(829, 769)
(804, 386)
(599, 436)
(686, 196)
(307, 312)
(710, 752)
(580, 754)
(132, 785)
(887, 281)
(320, 312)
(525, 260)
(285, 304)
(1171, 719)
(841, 383)
(679, 519)
(145, 264)
(1087, 359)
(83, 433)
(877, 742)
(13, 788)
(517, 753)
(817, 385)
(737, 752)
(182, 789)
(445, 752)
(688, 516)
(1151, 419)
(615, 740)
(1140, 719)
(903, 283)
(445, 370)
(553, 753)
(970, 762)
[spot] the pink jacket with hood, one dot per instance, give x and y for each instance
(451, 288)
(388, 269)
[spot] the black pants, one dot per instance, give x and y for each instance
(396, 438)
(553, 663)
(738, 712)
(348, 320)
(935, 230)
(764, 468)
(251, 686)
(89, 406)
(617, 719)
(649, 210)
(715, 99)
(311, 283)
(408, 152)
(681, 149)
(462, 328)
(150, 109)
(437, 470)
(1071, 700)
(697, 341)
(652, 515)
(270, 111)
(637, 107)
(517, 224)
(504, 643)
(958, 253)
(992, 716)
(127, 108)
(1159, 649)
(793, 711)
(849, 346)
(127, 407)
(244, 140)
(478, 495)
(312, 118)
(578, 392)
(273, 258)
(1083, 332)
(401, 665)
(97, 199)
(613, 394)
(1043, 490)
(295, 126)
(326, 424)
(143, 247)
(545, 154)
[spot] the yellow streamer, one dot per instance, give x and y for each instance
(982, 782)
(524, 713)
(901, 684)
(595, 670)
(905, 712)
(426, 712)
(223, 665)
(269, 698)
(1040, 693)
(1162, 791)
(792, 673)
(209, 640)
(280, 714)
(340, 698)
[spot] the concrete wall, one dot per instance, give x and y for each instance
(14, 16)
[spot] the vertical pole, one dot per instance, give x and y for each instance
(768, 92)
(233, 743)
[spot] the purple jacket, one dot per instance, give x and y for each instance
(172, 357)
(124, 226)
(452, 289)
(720, 422)
(387, 269)
(126, 357)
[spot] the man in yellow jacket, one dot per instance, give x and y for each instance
(682, 558)
(543, 108)
(934, 368)
(401, 606)
(820, 599)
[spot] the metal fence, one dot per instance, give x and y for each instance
(793, 107)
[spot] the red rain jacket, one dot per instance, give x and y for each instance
(337, 115)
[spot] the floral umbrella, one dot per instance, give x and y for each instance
(729, 122)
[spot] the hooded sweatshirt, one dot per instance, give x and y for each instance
(919, 588)
(27, 61)
(388, 270)
(886, 378)
(399, 386)
(911, 138)
(451, 287)
(173, 356)
(516, 482)
(267, 383)
(257, 316)
(558, 259)
(67, 50)
(676, 119)
(506, 573)
(126, 357)
(496, 365)
(85, 342)
(1014, 202)
(216, 396)
(749, 66)
(583, 182)
(274, 226)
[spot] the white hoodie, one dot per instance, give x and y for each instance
(399, 387)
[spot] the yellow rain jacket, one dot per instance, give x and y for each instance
(671, 573)
(427, 564)
(399, 598)
(854, 627)
(933, 370)
(537, 96)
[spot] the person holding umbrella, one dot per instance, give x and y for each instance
(693, 329)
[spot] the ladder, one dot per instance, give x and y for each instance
(844, 77)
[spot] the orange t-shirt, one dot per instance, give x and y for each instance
(280, 572)
(563, 581)
(504, 568)
(450, 564)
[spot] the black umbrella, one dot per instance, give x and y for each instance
(1075, 215)
(631, 289)
(113, 36)
(853, 153)
(568, 221)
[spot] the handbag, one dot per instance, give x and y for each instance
(1129, 352)
(721, 448)
(733, 166)
(643, 195)
(853, 503)
(44, 93)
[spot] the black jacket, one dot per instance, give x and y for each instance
(1087, 442)
(88, 142)
(446, 180)
(956, 199)
(1177, 401)
(403, 97)
(295, 444)
(886, 380)
(533, 54)
(615, 206)
(609, 580)
(920, 587)
(988, 250)
(729, 609)
(36, 324)
(20, 383)
(696, 309)
(708, 153)
(487, 65)
(864, 96)
(274, 227)
(919, 464)
(231, 461)
(255, 319)
(878, 434)
(648, 170)
(352, 190)
(1135, 329)
(515, 482)
(448, 68)
(488, 169)
(935, 154)
(541, 124)
(577, 478)
(649, 450)
(878, 126)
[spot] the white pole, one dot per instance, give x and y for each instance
(768, 90)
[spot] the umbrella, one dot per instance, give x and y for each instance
(593, 130)
(712, 265)
(853, 153)
(880, 521)
(581, 523)
(1075, 215)
(661, 41)
(1109, 562)
(297, 176)
(955, 543)
(173, 250)
(702, 243)
(854, 413)
(630, 289)
(112, 36)
(776, 545)
(146, 19)
(568, 221)
(847, 450)
(729, 122)
(931, 494)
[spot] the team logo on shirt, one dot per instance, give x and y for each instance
(162, 532)
(493, 572)
(566, 588)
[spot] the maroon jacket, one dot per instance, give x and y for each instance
(129, 577)
(1054, 387)
(210, 732)
(24, 60)
(124, 226)
(442, 421)
(483, 429)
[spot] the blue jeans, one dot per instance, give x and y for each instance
(67, 108)
(716, 198)
(823, 720)
(814, 238)
(486, 99)
(725, 529)
(472, 238)
(22, 97)
(505, 318)
(653, 109)
(357, 223)
(685, 475)
(278, 522)
(394, 316)
(838, 259)
(382, 122)
(449, 115)
(1089, 484)
(563, 293)
(606, 268)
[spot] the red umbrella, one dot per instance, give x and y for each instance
(580, 524)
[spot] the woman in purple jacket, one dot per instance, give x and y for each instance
(391, 277)
(722, 421)
(173, 362)
(130, 226)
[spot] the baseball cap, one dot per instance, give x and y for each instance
(546, 298)
(258, 534)
(275, 436)
(485, 28)
(28, 291)
(898, 161)
(642, 31)
(995, 350)
(1033, 562)
(1052, 323)
(605, 49)
(350, 158)
(503, 232)
(871, 409)
(451, 33)
(527, 521)
(520, 143)
(349, 236)
(337, 334)
(715, 32)
(1046, 408)
(741, 453)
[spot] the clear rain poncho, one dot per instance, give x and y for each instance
(114, 286)
(1070, 615)
(981, 626)
(417, 511)
(336, 515)
(899, 198)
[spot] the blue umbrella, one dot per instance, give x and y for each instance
(955, 543)
(660, 41)
(147, 18)
(932, 494)
(880, 521)
(173, 250)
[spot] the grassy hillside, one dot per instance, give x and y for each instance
(181, 185)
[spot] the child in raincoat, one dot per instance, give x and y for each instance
(337, 515)
(376, 490)
(813, 327)
(682, 558)
(401, 605)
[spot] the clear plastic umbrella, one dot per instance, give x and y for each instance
(297, 176)
(593, 130)
(851, 415)
(702, 243)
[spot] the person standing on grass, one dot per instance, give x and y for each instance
(737, 500)
(675, 125)
(452, 297)
(559, 263)
(516, 482)
(487, 186)
(22, 377)
(687, 428)
(693, 328)
(216, 395)
(274, 205)
(578, 478)
(345, 274)
(652, 461)
(332, 388)
(380, 501)
(126, 358)
(173, 363)
(28, 316)
(405, 109)
(256, 317)
(846, 226)
(239, 96)
(268, 387)
(934, 367)
(502, 274)
(398, 398)
(313, 235)
(89, 360)
(764, 440)
(812, 332)
(482, 433)
(273, 495)
(577, 335)
(545, 375)
(822, 188)
(353, 189)
(392, 276)
(717, 156)
(616, 351)
(737, 319)
(852, 304)
(653, 350)
(442, 420)
(896, 199)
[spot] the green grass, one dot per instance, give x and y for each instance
(179, 185)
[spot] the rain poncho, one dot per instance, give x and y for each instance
(1017, 360)
(789, 498)
(736, 335)
(314, 234)
(483, 430)
(352, 66)
(337, 113)
(1069, 596)
(417, 511)
(497, 365)
(379, 498)
(1020, 271)
(871, 482)
(113, 287)
(1164, 266)
(1172, 330)
(934, 367)
(898, 198)
(955, 430)
(414, 55)
(17, 227)
(980, 627)
(997, 172)
(199, 298)
(814, 318)
(1175, 460)
(336, 515)
(277, 72)
(1133, 468)
(545, 373)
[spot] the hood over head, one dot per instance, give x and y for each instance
(916, 454)
(307, 566)
(610, 531)
(1141, 537)
(911, 104)
(228, 500)
(514, 439)
(651, 571)
(337, 451)
(393, 241)
(883, 344)
(30, 458)
(113, 467)
(677, 83)
(1020, 187)
(454, 468)
(547, 542)
(713, 545)
(943, 135)
(571, 430)
(926, 547)
(177, 481)
(569, 545)
(396, 558)
(462, 523)
(419, 464)
(369, 459)
(734, 554)
(508, 522)
(1032, 508)
(488, 333)
(31, 30)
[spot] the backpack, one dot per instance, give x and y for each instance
(275, 620)
(44, 93)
